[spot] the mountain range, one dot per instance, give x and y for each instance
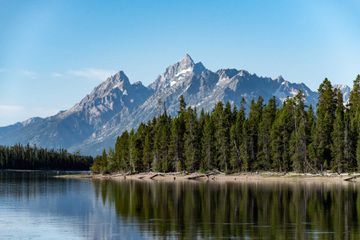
(117, 105)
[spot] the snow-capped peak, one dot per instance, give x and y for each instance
(31, 121)
(185, 65)
(119, 80)
(186, 62)
(120, 76)
(117, 105)
(176, 73)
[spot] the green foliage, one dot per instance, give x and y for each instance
(191, 141)
(310, 164)
(253, 122)
(325, 117)
(208, 145)
(34, 158)
(122, 155)
(338, 135)
(354, 123)
(300, 135)
(288, 138)
(161, 144)
(263, 160)
(176, 148)
(222, 125)
(148, 145)
(281, 133)
(238, 140)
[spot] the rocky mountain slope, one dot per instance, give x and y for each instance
(116, 104)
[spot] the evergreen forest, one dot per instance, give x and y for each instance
(266, 137)
(34, 158)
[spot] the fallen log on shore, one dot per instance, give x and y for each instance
(351, 178)
(155, 175)
(196, 177)
(213, 173)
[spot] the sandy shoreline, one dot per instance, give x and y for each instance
(236, 177)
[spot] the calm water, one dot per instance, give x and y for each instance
(37, 206)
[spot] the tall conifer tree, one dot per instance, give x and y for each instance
(208, 145)
(338, 135)
(264, 149)
(191, 141)
(325, 119)
(299, 135)
(253, 130)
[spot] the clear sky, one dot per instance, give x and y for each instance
(52, 53)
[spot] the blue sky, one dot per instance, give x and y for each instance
(52, 53)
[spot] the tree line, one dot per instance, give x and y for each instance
(266, 137)
(34, 158)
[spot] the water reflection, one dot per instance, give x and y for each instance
(37, 206)
(208, 210)
(34, 205)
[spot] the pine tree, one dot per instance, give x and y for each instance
(358, 154)
(117, 159)
(354, 98)
(299, 135)
(122, 154)
(229, 114)
(182, 104)
(238, 140)
(222, 136)
(349, 144)
(310, 163)
(175, 142)
(110, 159)
(208, 145)
(338, 135)
(235, 149)
(325, 118)
(136, 149)
(200, 130)
(104, 160)
(147, 150)
(191, 142)
(156, 164)
(354, 122)
(132, 150)
(176, 147)
(264, 151)
(244, 148)
(161, 146)
(281, 136)
(253, 130)
(276, 143)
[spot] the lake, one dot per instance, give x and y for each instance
(34, 205)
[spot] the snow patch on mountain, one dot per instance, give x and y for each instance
(345, 90)
(117, 105)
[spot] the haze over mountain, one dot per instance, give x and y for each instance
(117, 105)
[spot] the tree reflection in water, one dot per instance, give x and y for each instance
(189, 210)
